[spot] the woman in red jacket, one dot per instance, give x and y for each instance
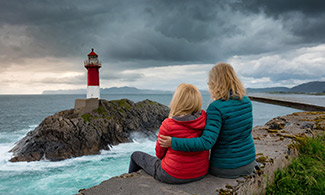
(186, 120)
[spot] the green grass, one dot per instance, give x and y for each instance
(306, 174)
(122, 103)
(86, 117)
(101, 110)
(141, 104)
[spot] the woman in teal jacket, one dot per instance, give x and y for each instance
(228, 127)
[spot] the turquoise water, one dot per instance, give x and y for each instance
(22, 113)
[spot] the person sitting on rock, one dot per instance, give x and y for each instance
(228, 130)
(186, 120)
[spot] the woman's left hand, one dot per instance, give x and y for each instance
(165, 141)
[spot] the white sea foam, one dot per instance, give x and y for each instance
(69, 175)
(123, 150)
(5, 156)
(15, 136)
(118, 152)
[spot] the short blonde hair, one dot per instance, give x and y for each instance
(222, 79)
(187, 99)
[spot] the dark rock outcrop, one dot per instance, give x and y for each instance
(66, 134)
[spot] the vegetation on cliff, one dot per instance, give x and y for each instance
(306, 174)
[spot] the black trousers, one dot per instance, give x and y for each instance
(152, 166)
(235, 173)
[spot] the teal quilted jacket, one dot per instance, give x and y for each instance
(227, 133)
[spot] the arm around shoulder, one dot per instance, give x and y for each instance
(208, 137)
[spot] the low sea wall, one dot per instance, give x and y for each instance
(275, 149)
(291, 104)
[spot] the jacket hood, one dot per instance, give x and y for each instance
(197, 124)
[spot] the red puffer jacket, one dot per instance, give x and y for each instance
(183, 165)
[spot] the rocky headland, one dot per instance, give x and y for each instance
(67, 134)
(276, 145)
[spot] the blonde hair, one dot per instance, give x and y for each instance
(222, 79)
(187, 99)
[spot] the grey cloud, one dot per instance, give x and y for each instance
(80, 79)
(304, 19)
(278, 7)
(107, 74)
(303, 65)
(73, 80)
(282, 76)
(276, 73)
(144, 33)
(308, 29)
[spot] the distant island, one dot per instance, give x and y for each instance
(315, 87)
(115, 90)
(112, 90)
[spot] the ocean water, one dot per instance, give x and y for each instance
(21, 113)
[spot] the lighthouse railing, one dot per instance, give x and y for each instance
(92, 62)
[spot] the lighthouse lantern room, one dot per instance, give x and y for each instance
(93, 65)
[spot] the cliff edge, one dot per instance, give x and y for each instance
(67, 134)
(275, 148)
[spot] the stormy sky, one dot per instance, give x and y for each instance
(158, 44)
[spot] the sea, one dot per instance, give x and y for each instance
(20, 114)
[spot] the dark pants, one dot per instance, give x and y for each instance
(152, 166)
(235, 173)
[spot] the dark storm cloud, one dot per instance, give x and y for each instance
(166, 32)
(305, 19)
(279, 7)
(145, 33)
(53, 28)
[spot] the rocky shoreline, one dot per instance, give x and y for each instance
(67, 134)
(275, 143)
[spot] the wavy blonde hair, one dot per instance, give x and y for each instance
(187, 99)
(222, 79)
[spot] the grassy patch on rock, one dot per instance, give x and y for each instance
(86, 117)
(122, 103)
(101, 110)
(144, 103)
(319, 121)
(306, 174)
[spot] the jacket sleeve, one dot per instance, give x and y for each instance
(208, 137)
(160, 151)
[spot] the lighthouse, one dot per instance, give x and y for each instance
(93, 65)
(83, 106)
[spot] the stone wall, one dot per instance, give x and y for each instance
(291, 104)
(83, 106)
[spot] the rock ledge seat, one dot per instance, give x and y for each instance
(275, 146)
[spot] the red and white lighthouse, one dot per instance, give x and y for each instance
(93, 65)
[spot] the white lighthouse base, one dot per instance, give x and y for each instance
(93, 92)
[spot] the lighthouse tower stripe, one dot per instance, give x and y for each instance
(93, 76)
(93, 92)
(93, 65)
